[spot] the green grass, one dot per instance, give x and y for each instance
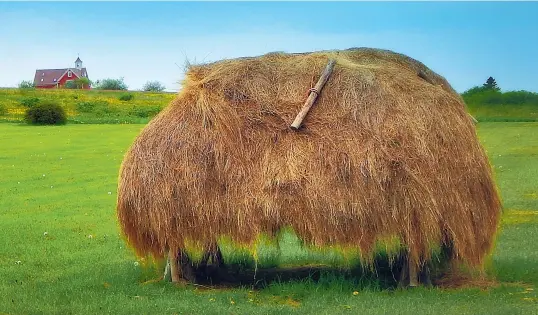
(66, 272)
(504, 113)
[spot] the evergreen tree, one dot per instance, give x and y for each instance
(491, 84)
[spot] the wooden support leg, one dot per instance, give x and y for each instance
(409, 274)
(424, 277)
(413, 279)
(403, 273)
(173, 260)
(167, 274)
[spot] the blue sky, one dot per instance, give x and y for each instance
(464, 41)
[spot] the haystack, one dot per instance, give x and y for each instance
(388, 151)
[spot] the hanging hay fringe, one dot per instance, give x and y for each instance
(388, 152)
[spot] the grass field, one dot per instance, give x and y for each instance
(504, 113)
(61, 253)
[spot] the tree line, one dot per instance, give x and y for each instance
(105, 84)
(490, 93)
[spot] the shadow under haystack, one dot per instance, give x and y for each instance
(388, 154)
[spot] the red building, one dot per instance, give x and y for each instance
(56, 78)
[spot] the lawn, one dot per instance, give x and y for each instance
(61, 251)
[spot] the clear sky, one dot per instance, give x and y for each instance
(466, 42)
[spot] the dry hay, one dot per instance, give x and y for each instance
(388, 151)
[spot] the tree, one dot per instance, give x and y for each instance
(26, 84)
(491, 84)
(70, 84)
(111, 84)
(153, 86)
(81, 83)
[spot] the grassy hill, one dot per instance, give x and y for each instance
(82, 106)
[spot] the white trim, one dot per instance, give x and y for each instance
(60, 78)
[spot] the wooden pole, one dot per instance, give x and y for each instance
(314, 92)
(167, 274)
(174, 268)
(413, 279)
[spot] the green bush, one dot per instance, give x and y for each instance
(30, 102)
(26, 85)
(520, 98)
(110, 84)
(153, 86)
(126, 97)
(46, 113)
